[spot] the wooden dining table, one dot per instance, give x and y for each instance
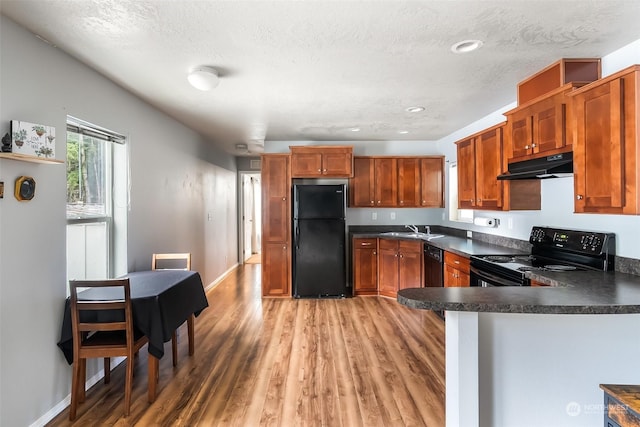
(161, 301)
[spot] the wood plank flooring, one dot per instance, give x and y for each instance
(365, 361)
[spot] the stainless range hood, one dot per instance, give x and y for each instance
(555, 166)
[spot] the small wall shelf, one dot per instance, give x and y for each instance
(32, 159)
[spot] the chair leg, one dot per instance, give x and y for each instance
(107, 370)
(83, 380)
(75, 382)
(128, 385)
(174, 347)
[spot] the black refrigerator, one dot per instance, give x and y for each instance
(319, 264)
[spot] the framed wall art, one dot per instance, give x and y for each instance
(33, 139)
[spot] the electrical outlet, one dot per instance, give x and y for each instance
(374, 216)
(392, 215)
(469, 234)
(510, 223)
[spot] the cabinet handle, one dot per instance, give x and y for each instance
(284, 198)
(479, 200)
(401, 202)
(526, 147)
(365, 244)
(375, 253)
(324, 170)
(456, 262)
(284, 248)
(378, 201)
(579, 197)
(471, 200)
(396, 255)
(371, 202)
(533, 145)
(400, 255)
(319, 170)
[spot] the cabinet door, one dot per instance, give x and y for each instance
(549, 124)
(276, 188)
(599, 150)
(337, 164)
(521, 133)
(451, 276)
(362, 185)
(386, 182)
(365, 267)
(409, 182)
(488, 161)
(388, 267)
(276, 280)
(466, 174)
(305, 165)
(431, 183)
(410, 268)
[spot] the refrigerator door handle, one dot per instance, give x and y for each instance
(297, 237)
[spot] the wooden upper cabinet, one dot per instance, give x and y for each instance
(432, 182)
(321, 162)
(409, 182)
(480, 161)
(606, 150)
(539, 127)
(397, 182)
(386, 182)
(467, 173)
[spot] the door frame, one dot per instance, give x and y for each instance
(241, 207)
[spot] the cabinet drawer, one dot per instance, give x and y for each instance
(389, 244)
(407, 246)
(459, 262)
(365, 243)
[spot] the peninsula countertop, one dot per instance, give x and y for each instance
(575, 292)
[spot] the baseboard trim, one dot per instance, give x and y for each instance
(221, 277)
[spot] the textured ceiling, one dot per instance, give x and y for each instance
(312, 70)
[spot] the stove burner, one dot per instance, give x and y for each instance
(498, 258)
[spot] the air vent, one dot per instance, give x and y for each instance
(255, 164)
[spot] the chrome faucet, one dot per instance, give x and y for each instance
(412, 228)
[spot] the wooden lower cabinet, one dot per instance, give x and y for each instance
(365, 266)
(400, 266)
(456, 271)
(276, 259)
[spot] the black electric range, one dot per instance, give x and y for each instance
(552, 249)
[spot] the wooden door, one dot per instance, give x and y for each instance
(409, 182)
(521, 133)
(337, 163)
(388, 267)
(365, 267)
(306, 164)
(386, 182)
(466, 174)
(599, 179)
(432, 183)
(362, 185)
(410, 268)
(549, 124)
(488, 162)
(276, 280)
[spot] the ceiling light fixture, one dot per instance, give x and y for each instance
(203, 78)
(414, 109)
(354, 129)
(466, 46)
(403, 132)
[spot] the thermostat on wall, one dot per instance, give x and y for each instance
(25, 188)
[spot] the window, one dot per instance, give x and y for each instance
(455, 214)
(90, 195)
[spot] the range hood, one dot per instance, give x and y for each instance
(555, 166)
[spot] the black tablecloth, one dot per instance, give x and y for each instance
(162, 300)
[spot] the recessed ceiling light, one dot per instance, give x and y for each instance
(354, 129)
(466, 46)
(403, 131)
(414, 109)
(203, 78)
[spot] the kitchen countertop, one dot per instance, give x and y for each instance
(575, 292)
(458, 245)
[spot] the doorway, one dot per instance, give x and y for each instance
(251, 224)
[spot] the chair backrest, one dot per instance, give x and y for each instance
(172, 261)
(110, 314)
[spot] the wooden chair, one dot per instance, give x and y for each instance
(103, 339)
(171, 264)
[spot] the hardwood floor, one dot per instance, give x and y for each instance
(365, 361)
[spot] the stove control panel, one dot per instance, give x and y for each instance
(587, 242)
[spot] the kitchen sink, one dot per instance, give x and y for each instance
(411, 235)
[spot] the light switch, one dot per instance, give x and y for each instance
(392, 215)
(374, 216)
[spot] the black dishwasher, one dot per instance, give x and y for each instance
(433, 262)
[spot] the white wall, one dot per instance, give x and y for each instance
(557, 194)
(178, 181)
